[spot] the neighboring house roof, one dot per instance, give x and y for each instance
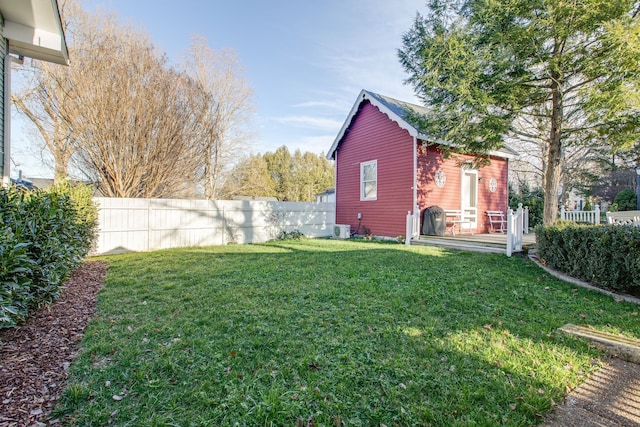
(34, 29)
(23, 183)
(399, 111)
(327, 192)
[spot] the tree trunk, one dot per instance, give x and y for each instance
(61, 158)
(554, 154)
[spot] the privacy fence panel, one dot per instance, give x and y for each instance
(150, 224)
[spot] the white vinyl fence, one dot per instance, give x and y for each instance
(592, 217)
(149, 224)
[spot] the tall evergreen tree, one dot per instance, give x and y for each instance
(483, 65)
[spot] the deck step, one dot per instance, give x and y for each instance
(625, 348)
(462, 245)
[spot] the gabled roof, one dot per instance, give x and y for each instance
(34, 29)
(398, 111)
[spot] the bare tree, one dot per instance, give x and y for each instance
(132, 118)
(126, 117)
(223, 130)
(580, 156)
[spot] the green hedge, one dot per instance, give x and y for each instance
(607, 256)
(44, 235)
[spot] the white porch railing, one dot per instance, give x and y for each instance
(517, 225)
(413, 226)
(592, 217)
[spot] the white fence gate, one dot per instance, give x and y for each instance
(149, 224)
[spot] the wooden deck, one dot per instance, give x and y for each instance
(491, 242)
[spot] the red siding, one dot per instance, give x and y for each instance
(373, 136)
(430, 159)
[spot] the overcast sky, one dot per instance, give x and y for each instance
(305, 60)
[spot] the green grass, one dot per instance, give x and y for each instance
(320, 332)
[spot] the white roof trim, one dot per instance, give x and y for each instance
(34, 29)
(365, 96)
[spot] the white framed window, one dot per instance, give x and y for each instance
(369, 180)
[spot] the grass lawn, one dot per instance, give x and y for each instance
(321, 332)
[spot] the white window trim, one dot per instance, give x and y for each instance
(362, 182)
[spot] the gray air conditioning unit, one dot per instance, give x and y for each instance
(341, 231)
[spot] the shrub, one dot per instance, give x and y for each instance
(533, 199)
(290, 235)
(15, 281)
(625, 200)
(607, 256)
(44, 235)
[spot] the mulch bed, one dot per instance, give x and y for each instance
(35, 357)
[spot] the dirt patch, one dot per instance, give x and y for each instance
(35, 357)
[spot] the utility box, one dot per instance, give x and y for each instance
(341, 231)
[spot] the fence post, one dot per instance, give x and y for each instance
(509, 231)
(597, 220)
(562, 213)
(149, 216)
(526, 220)
(409, 229)
(519, 226)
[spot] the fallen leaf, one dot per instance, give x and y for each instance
(513, 406)
(107, 384)
(36, 412)
(116, 398)
(402, 386)
(488, 327)
(540, 391)
(452, 368)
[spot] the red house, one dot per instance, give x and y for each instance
(385, 168)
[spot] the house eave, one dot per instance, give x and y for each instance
(507, 153)
(34, 29)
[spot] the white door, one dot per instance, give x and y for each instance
(469, 198)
